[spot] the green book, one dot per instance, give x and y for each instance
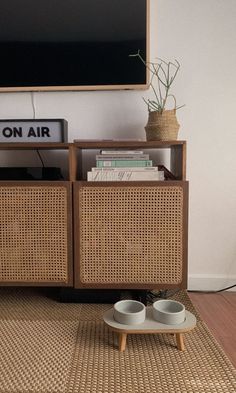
(122, 163)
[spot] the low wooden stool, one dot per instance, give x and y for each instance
(150, 326)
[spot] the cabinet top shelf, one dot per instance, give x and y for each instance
(92, 144)
(39, 145)
(95, 144)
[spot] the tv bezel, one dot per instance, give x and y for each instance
(140, 86)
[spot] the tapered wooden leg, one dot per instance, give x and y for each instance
(180, 341)
(122, 341)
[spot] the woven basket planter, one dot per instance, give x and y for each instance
(162, 126)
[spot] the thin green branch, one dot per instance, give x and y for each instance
(159, 99)
(178, 107)
(171, 95)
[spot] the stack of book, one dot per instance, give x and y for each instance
(124, 165)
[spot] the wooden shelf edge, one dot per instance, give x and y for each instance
(96, 144)
(32, 145)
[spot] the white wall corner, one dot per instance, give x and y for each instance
(211, 282)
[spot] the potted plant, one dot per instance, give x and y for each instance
(162, 122)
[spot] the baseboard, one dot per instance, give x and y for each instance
(213, 282)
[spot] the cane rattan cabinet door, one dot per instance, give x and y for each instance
(130, 234)
(35, 233)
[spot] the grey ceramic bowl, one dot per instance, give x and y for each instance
(169, 312)
(129, 312)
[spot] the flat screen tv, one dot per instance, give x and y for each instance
(73, 44)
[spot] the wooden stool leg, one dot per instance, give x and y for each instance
(180, 341)
(122, 341)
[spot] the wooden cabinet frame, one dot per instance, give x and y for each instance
(19, 187)
(178, 168)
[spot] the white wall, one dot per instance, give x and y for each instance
(201, 35)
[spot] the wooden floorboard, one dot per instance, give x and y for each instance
(218, 311)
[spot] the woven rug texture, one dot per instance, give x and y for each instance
(48, 346)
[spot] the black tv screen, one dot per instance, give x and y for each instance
(72, 44)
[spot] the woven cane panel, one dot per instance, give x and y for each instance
(131, 235)
(33, 234)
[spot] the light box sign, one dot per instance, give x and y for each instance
(33, 130)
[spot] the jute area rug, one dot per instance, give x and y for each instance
(47, 346)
